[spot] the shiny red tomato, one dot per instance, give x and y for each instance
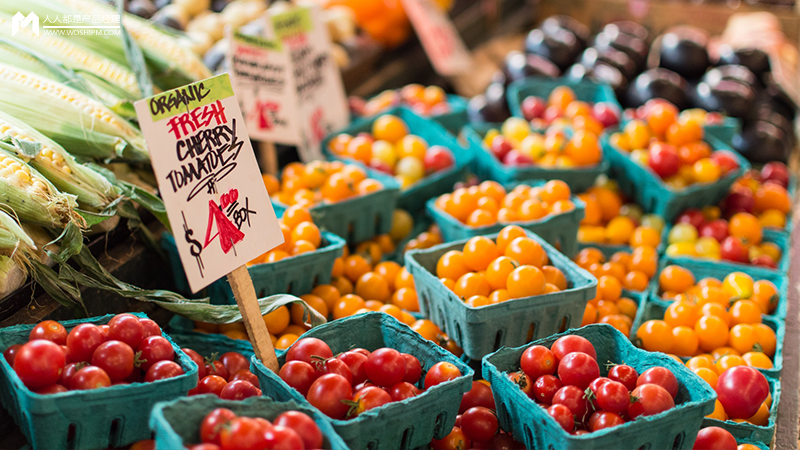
(726, 160)
(238, 390)
(438, 158)
(126, 328)
(333, 365)
(299, 375)
(479, 395)
(154, 349)
(150, 327)
(479, 424)
(662, 377)
(243, 433)
(211, 384)
(83, 340)
(163, 370)
(245, 375)
(234, 362)
(326, 394)
(625, 374)
(116, 358)
(282, 438)
(305, 348)
(89, 378)
(741, 390)
(573, 398)
(733, 249)
(201, 364)
(664, 159)
(538, 360)
(440, 373)
(39, 363)
(386, 367)
(718, 229)
(213, 423)
(368, 398)
(355, 362)
(402, 391)
(714, 438)
(69, 371)
(545, 387)
(568, 344)
(49, 330)
(613, 397)
(455, 440)
(216, 368)
(649, 399)
(10, 353)
(303, 425)
(604, 419)
(413, 369)
(578, 369)
(694, 217)
(594, 387)
(563, 416)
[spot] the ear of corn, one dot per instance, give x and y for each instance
(74, 56)
(82, 125)
(51, 160)
(17, 250)
(32, 197)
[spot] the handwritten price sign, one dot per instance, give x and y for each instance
(439, 37)
(209, 179)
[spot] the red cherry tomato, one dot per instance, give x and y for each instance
(10, 353)
(440, 373)
(355, 362)
(386, 367)
(245, 375)
(613, 397)
(126, 328)
(154, 349)
(625, 374)
(662, 377)
(116, 358)
(578, 369)
(563, 416)
(282, 438)
(333, 365)
(216, 368)
(664, 159)
(163, 370)
(211, 384)
(573, 398)
(238, 390)
(604, 419)
(649, 399)
(413, 369)
(327, 392)
(213, 423)
(305, 348)
(568, 344)
(303, 425)
(299, 375)
(595, 386)
(733, 249)
(69, 371)
(403, 390)
(479, 424)
(456, 440)
(39, 363)
(243, 433)
(83, 340)
(741, 390)
(234, 362)
(522, 381)
(150, 327)
(479, 395)
(545, 387)
(201, 365)
(538, 360)
(714, 438)
(49, 330)
(51, 389)
(368, 398)
(89, 378)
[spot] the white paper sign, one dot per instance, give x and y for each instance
(209, 179)
(260, 71)
(439, 37)
(320, 97)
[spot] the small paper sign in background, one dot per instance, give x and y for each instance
(209, 179)
(439, 37)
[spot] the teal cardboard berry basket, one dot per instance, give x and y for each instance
(480, 331)
(488, 167)
(115, 416)
(530, 423)
(401, 425)
(560, 230)
(176, 424)
(413, 198)
(648, 190)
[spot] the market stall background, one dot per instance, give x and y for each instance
(492, 29)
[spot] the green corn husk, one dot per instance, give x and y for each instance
(91, 188)
(80, 124)
(39, 201)
(74, 56)
(17, 250)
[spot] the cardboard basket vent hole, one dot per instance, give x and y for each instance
(679, 440)
(378, 220)
(115, 433)
(531, 331)
(529, 434)
(72, 436)
(645, 447)
(564, 323)
(459, 335)
(439, 425)
(498, 339)
(372, 445)
(406, 439)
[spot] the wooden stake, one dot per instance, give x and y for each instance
(269, 157)
(245, 294)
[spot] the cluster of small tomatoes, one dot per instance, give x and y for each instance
(609, 220)
(705, 368)
(672, 147)
(563, 108)
(423, 100)
(392, 149)
(718, 319)
(488, 203)
(761, 193)
(565, 379)
(488, 272)
(222, 429)
(300, 235)
(356, 381)
(739, 239)
(319, 182)
(127, 350)
(228, 377)
(517, 144)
